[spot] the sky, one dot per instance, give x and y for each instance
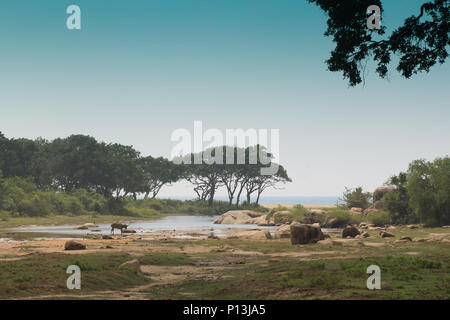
(138, 70)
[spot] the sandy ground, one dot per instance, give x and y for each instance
(137, 245)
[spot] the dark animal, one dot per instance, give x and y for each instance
(119, 226)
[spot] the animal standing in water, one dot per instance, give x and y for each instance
(119, 226)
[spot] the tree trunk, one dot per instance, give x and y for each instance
(257, 198)
(239, 196)
(211, 195)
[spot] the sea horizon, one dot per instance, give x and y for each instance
(325, 200)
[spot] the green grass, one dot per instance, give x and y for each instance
(165, 259)
(42, 274)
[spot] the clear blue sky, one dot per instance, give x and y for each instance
(140, 69)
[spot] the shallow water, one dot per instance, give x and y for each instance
(169, 223)
(183, 225)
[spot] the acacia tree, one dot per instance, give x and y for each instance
(271, 181)
(419, 43)
(157, 173)
(356, 198)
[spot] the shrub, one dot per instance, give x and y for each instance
(34, 207)
(379, 218)
(4, 215)
(356, 198)
(428, 186)
(343, 217)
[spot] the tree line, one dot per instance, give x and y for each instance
(421, 194)
(116, 171)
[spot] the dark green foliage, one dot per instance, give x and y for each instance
(428, 187)
(397, 202)
(85, 176)
(357, 198)
(379, 218)
(419, 43)
(422, 193)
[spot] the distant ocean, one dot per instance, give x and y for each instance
(277, 199)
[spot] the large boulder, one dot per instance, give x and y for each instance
(356, 210)
(379, 193)
(350, 231)
(304, 234)
(318, 212)
(253, 234)
(241, 217)
(376, 206)
(284, 231)
(74, 245)
(335, 223)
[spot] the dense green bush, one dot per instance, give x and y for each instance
(357, 198)
(343, 217)
(422, 194)
(379, 218)
(428, 186)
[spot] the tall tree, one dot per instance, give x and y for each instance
(419, 43)
(127, 172)
(157, 173)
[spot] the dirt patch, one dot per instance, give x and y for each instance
(301, 254)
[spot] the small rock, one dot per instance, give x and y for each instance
(128, 231)
(366, 235)
(412, 226)
(406, 238)
(133, 264)
(421, 239)
(375, 244)
(90, 225)
(356, 210)
(385, 234)
(385, 286)
(105, 237)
